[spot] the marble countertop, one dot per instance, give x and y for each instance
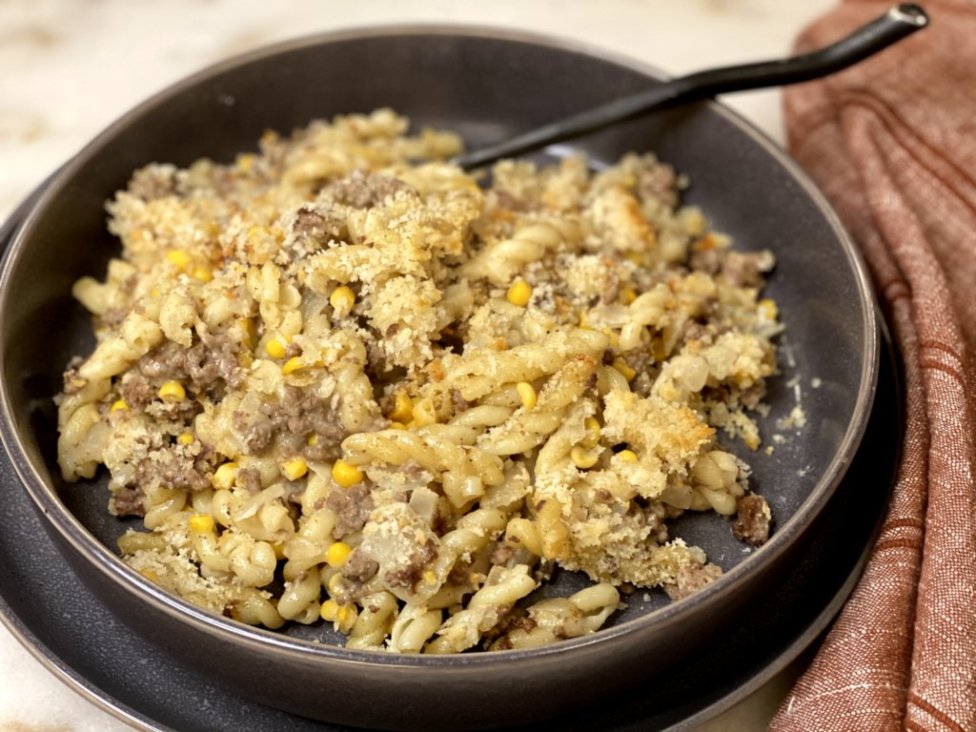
(69, 67)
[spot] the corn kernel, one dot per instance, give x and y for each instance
(313, 440)
(628, 456)
(346, 474)
(657, 349)
(150, 575)
(118, 405)
(519, 293)
(294, 468)
(592, 432)
(767, 307)
(245, 162)
(342, 299)
(178, 258)
(623, 367)
(628, 295)
(402, 407)
(705, 243)
(224, 476)
(275, 348)
(185, 438)
(346, 618)
(202, 523)
(337, 554)
(429, 577)
(423, 412)
(329, 611)
(172, 391)
(203, 274)
(435, 370)
(292, 365)
(335, 584)
(247, 330)
(527, 394)
(583, 458)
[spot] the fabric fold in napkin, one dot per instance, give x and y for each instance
(892, 143)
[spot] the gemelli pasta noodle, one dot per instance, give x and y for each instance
(343, 381)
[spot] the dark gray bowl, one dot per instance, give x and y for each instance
(485, 84)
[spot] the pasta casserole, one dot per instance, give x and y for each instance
(342, 380)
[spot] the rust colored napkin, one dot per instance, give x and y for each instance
(892, 142)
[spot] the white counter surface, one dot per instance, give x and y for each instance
(69, 67)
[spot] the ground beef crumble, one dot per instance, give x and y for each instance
(352, 507)
(642, 361)
(516, 619)
(364, 190)
(458, 403)
(203, 365)
(300, 415)
(136, 390)
(658, 181)
(502, 553)
(255, 430)
(376, 362)
(249, 479)
(408, 575)
(692, 578)
(318, 224)
(752, 520)
(359, 568)
(174, 466)
(356, 574)
(127, 502)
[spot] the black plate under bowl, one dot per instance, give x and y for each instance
(486, 84)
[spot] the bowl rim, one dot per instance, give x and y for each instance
(88, 547)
